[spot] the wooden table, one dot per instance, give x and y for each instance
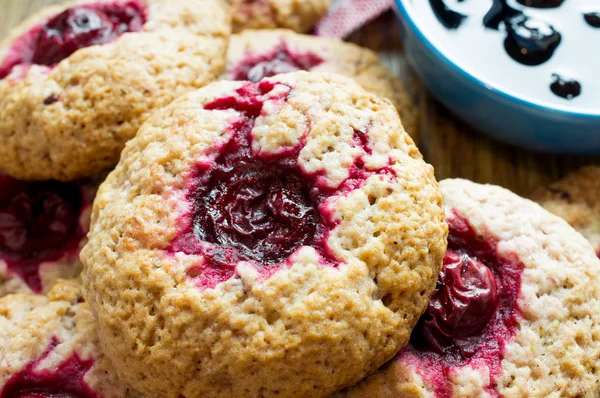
(452, 147)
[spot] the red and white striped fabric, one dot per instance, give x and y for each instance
(346, 16)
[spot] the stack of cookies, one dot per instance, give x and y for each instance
(262, 223)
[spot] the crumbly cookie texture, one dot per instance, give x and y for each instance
(43, 226)
(576, 198)
(255, 54)
(50, 348)
(549, 346)
(72, 119)
(278, 238)
(298, 15)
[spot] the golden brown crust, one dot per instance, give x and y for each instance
(105, 92)
(307, 329)
(298, 15)
(576, 198)
(556, 349)
(31, 325)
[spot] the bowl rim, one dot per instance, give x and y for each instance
(401, 9)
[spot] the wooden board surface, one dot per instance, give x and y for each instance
(452, 147)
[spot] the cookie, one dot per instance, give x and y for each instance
(576, 198)
(278, 238)
(256, 54)
(77, 81)
(514, 314)
(298, 15)
(42, 229)
(50, 348)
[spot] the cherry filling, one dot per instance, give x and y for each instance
(260, 210)
(473, 311)
(74, 28)
(463, 303)
(247, 206)
(65, 381)
(279, 60)
(255, 206)
(39, 222)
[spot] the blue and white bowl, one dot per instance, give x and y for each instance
(473, 76)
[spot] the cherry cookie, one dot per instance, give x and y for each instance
(256, 54)
(298, 15)
(515, 311)
(50, 348)
(42, 229)
(76, 81)
(576, 198)
(261, 239)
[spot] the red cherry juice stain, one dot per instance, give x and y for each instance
(279, 60)
(39, 222)
(257, 207)
(75, 28)
(66, 381)
(462, 327)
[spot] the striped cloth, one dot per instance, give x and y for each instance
(346, 16)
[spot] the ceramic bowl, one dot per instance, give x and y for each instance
(506, 117)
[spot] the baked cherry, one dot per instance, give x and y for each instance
(71, 30)
(246, 206)
(473, 312)
(530, 41)
(259, 207)
(39, 222)
(463, 303)
(280, 60)
(263, 211)
(80, 27)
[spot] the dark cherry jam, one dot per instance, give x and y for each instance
(472, 313)
(565, 88)
(248, 207)
(529, 41)
(463, 303)
(64, 381)
(279, 60)
(74, 28)
(541, 3)
(592, 19)
(39, 222)
(447, 17)
(258, 207)
(262, 211)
